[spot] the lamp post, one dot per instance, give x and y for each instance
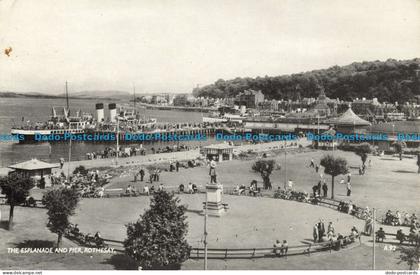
(285, 164)
(205, 235)
(374, 238)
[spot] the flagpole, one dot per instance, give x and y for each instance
(285, 164)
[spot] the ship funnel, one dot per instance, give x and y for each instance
(112, 112)
(100, 112)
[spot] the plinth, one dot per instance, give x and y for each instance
(215, 207)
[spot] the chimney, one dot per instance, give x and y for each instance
(112, 112)
(100, 112)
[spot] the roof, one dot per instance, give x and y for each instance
(34, 164)
(349, 118)
(219, 146)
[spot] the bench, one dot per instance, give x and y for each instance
(118, 192)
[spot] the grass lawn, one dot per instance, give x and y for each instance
(250, 222)
(388, 184)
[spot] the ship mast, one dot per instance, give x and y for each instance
(67, 99)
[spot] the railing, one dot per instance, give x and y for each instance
(249, 253)
(117, 245)
(28, 203)
(409, 240)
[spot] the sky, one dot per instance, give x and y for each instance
(175, 45)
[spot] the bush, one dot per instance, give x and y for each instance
(81, 170)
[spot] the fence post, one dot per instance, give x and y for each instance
(331, 245)
(253, 253)
(226, 252)
(198, 253)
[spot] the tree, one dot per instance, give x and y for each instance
(410, 255)
(61, 204)
(385, 80)
(265, 168)
(157, 239)
(16, 188)
(362, 150)
(399, 147)
(334, 167)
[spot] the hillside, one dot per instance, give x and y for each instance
(104, 94)
(111, 95)
(389, 81)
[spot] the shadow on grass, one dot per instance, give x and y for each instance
(389, 159)
(404, 171)
(198, 212)
(35, 244)
(121, 262)
(4, 225)
(307, 241)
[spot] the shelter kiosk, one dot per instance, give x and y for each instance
(219, 152)
(39, 171)
(350, 123)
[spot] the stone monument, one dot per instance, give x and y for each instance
(214, 191)
(215, 207)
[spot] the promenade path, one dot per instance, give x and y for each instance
(173, 156)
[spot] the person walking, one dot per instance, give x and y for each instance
(321, 230)
(348, 189)
(290, 185)
(315, 233)
(157, 175)
(141, 174)
(315, 189)
(319, 187)
(325, 189)
(177, 166)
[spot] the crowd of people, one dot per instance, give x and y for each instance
(321, 233)
(321, 188)
(397, 219)
(191, 188)
(73, 232)
(130, 151)
(89, 183)
(253, 189)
